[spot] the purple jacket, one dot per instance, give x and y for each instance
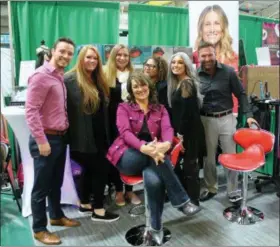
(129, 122)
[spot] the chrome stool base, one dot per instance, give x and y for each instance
(245, 216)
(135, 236)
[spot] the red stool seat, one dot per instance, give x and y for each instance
(256, 144)
(250, 159)
(131, 180)
(246, 137)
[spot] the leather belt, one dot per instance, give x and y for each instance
(55, 132)
(216, 114)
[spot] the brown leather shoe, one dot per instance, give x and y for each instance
(120, 201)
(64, 221)
(46, 237)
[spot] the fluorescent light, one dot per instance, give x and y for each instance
(159, 3)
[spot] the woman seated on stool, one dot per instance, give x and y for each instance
(145, 136)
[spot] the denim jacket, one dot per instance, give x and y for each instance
(129, 122)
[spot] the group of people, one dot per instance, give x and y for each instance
(127, 118)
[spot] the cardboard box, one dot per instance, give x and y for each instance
(252, 75)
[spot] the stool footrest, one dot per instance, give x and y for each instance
(243, 216)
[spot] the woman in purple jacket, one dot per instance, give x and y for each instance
(145, 136)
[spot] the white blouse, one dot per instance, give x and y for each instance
(122, 78)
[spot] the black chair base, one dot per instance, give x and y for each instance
(247, 216)
(262, 181)
(135, 235)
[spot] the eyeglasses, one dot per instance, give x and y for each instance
(150, 66)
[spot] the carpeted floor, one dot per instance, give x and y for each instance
(209, 227)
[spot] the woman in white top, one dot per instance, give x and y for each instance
(117, 70)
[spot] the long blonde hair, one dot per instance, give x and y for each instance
(226, 52)
(88, 85)
(110, 68)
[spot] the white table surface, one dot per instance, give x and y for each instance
(15, 115)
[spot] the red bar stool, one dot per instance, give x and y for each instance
(256, 144)
(136, 236)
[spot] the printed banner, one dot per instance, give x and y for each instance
(270, 39)
(215, 22)
(140, 54)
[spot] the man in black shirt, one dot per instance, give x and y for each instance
(218, 83)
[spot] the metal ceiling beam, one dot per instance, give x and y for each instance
(275, 13)
(266, 10)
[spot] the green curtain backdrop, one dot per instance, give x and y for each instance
(84, 22)
(250, 30)
(150, 25)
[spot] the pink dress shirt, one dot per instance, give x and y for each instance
(46, 102)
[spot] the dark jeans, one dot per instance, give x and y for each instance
(94, 176)
(188, 174)
(157, 179)
(115, 179)
(48, 179)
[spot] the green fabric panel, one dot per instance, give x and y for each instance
(84, 22)
(268, 167)
(250, 30)
(152, 25)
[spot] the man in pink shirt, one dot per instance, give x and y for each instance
(46, 116)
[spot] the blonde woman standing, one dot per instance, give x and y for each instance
(87, 103)
(117, 70)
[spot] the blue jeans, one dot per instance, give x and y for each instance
(157, 179)
(48, 179)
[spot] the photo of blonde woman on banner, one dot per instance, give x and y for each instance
(215, 22)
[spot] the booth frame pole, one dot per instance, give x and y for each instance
(11, 47)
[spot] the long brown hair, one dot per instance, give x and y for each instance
(226, 51)
(111, 68)
(88, 84)
(173, 80)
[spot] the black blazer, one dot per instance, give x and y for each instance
(80, 132)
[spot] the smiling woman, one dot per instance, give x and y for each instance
(145, 136)
(213, 27)
(87, 101)
(118, 69)
(185, 101)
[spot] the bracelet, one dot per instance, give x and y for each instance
(180, 136)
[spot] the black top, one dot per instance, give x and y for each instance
(161, 88)
(218, 90)
(82, 133)
(115, 99)
(144, 133)
(186, 118)
(99, 123)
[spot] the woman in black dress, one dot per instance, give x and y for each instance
(87, 102)
(185, 100)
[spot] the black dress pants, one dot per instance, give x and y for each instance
(94, 176)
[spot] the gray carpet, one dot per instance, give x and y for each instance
(209, 227)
